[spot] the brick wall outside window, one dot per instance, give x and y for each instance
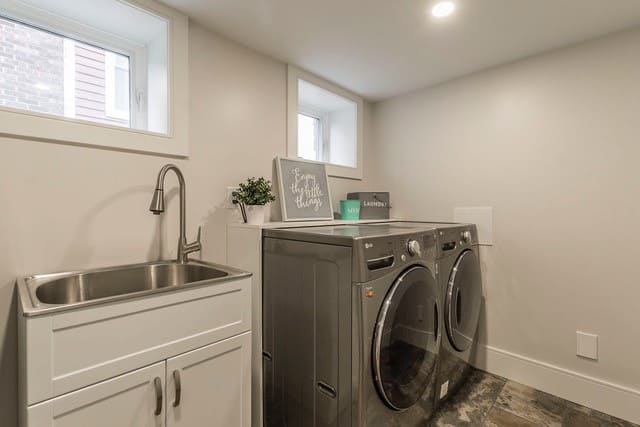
(30, 57)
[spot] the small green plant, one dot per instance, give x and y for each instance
(256, 191)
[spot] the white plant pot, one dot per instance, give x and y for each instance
(255, 214)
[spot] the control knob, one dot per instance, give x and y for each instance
(413, 247)
(465, 236)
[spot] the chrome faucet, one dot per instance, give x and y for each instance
(157, 207)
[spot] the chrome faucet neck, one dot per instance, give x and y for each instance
(157, 207)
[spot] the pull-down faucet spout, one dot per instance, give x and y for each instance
(157, 207)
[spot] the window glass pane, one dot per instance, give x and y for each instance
(336, 122)
(117, 99)
(122, 90)
(47, 73)
(308, 137)
(105, 61)
(31, 69)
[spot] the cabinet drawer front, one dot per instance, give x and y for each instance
(91, 345)
(127, 400)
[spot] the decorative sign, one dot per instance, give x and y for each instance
(304, 190)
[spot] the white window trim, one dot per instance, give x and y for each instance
(69, 47)
(46, 127)
(293, 74)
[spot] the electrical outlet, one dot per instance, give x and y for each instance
(229, 199)
(587, 345)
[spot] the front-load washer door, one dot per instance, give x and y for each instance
(463, 300)
(405, 342)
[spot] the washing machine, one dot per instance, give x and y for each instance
(460, 284)
(351, 318)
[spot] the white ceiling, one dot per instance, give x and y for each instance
(382, 48)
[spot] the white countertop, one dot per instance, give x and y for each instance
(311, 223)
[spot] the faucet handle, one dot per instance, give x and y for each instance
(187, 248)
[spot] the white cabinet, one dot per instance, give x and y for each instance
(211, 386)
(127, 400)
(98, 366)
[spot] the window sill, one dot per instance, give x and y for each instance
(29, 125)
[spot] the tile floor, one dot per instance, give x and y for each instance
(487, 400)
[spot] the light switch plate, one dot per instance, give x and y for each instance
(587, 345)
(482, 217)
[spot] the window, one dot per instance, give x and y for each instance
(105, 63)
(309, 137)
(325, 124)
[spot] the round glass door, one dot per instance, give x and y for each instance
(405, 339)
(463, 300)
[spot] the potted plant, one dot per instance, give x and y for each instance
(253, 196)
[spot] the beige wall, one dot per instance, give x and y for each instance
(552, 143)
(66, 207)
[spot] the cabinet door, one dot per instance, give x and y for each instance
(132, 399)
(211, 386)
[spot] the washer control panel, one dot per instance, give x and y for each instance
(377, 255)
(454, 238)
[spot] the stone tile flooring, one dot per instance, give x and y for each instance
(487, 400)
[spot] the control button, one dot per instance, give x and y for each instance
(403, 257)
(465, 236)
(413, 247)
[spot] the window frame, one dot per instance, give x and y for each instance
(317, 143)
(293, 75)
(46, 127)
(110, 71)
(323, 145)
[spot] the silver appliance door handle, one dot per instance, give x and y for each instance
(458, 307)
(327, 389)
(436, 321)
(176, 380)
(157, 383)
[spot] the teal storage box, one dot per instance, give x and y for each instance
(350, 209)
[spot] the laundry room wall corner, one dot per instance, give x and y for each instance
(509, 137)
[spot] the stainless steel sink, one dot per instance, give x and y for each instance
(62, 291)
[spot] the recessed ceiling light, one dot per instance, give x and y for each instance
(443, 9)
(41, 86)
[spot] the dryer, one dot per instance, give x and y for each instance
(460, 284)
(351, 318)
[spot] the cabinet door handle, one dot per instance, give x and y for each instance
(176, 379)
(157, 382)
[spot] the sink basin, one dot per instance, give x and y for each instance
(102, 284)
(48, 292)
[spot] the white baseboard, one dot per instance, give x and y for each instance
(614, 399)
